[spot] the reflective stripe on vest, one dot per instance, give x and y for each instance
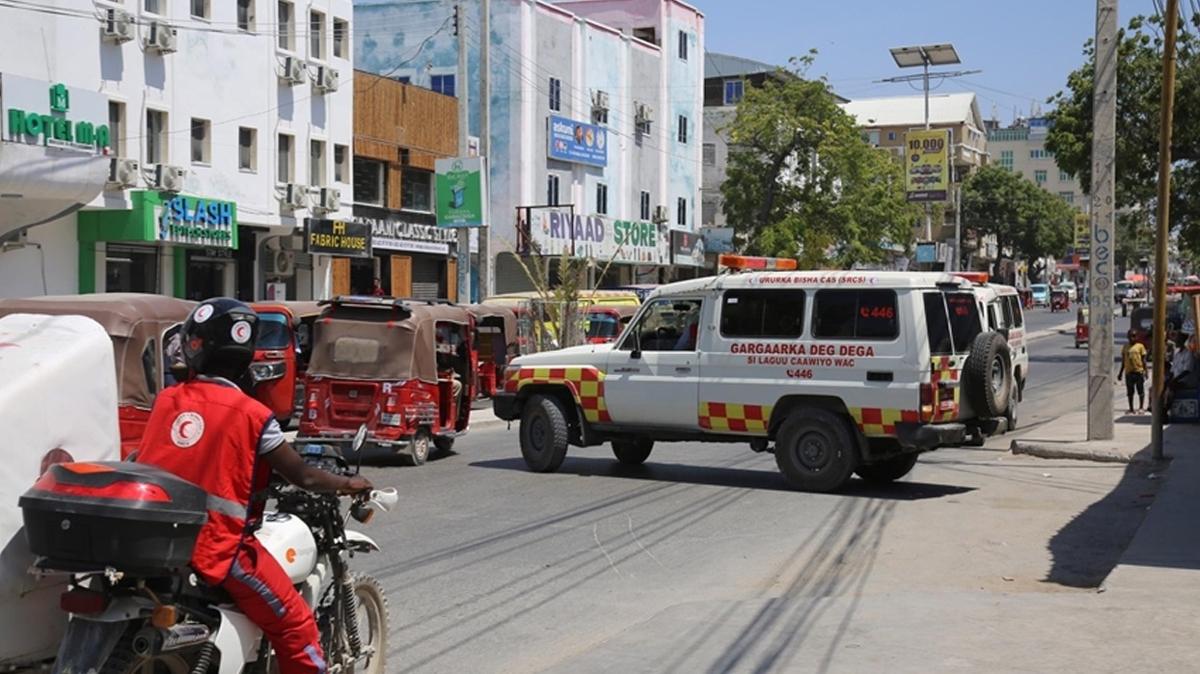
(226, 507)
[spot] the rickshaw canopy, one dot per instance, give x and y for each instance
(506, 314)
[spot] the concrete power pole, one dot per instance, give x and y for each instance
(485, 143)
(1171, 31)
(1100, 292)
(461, 89)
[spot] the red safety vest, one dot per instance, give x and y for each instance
(208, 434)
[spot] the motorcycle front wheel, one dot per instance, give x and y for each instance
(372, 620)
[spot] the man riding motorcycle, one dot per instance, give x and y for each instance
(207, 431)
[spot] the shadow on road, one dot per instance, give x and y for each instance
(1089, 546)
(734, 478)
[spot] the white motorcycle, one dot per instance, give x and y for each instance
(125, 532)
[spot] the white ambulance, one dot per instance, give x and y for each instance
(835, 372)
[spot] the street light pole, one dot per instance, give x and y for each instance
(925, 83)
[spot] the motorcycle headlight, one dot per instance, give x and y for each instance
(267, 370)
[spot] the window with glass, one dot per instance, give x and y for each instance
(200, 9)
(201, 141)
(153, 6)
(416, 190)
(273, 332)
(762, 313)
(965, 322)
(1039, 177)
(601, 199)
(341, 38)
(710, 154)
(316, 162)
(286, 159)
(341, 163)
(555, 94)
(116, 127)
(316, 35)
(156, 137)
(247, 149)
(285, 27)
(855, 314)
(665, 325)
(937, 325)
(644, 204)
(734, 91)
(442, 84)
(683, 129)
(1063, 176)
(1068, 197)
(552, 190)
(130, 269)
(245, 15)
(683, 45)
(681, 212)
(370, 179)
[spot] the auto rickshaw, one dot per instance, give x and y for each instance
(1060, 300)
(1081, 327)
(141, 327)
(281, 355)
(495, 344)
(1026, 295)
(605, 323)
(403, 368)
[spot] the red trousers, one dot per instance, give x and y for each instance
(262, 590)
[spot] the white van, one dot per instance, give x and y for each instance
(845, 372)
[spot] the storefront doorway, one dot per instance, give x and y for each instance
(130, 269)
(206, 275)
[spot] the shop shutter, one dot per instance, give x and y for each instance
(340, 270)
(510, 277)
(427, 278)
(402, 276)
(452, 280)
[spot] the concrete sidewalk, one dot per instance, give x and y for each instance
(1066, 437)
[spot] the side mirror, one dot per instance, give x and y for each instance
(360, 438)
(636, 354)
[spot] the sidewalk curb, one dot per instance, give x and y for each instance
(1079, 451)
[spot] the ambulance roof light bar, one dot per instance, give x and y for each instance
(749, 263)
(979, 277)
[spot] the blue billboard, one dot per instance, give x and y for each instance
(577, 142)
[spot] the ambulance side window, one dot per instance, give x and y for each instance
(856, 314)
(1017, 319)
(762, 313)
(964, 320)
(938, 325)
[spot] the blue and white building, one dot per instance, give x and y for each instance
(596, 121)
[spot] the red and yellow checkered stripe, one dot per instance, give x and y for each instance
(875, 422)
(585, 383)
(735, 417)
(945, 370)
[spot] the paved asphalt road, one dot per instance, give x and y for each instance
(705, 560)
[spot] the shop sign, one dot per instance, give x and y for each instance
(599, 238)
(460, 191)
(687, 249)
(55, 115)
(198, 222)
(1083, 231)
(409, 236)
(337, 237)
(927, 252)
(577, 142)
(927, 164)
(718, 239)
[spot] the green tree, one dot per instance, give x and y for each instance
(1025, 219)
(1139, 90)
(802, 182)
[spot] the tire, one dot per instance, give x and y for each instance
(1011, 413)
(632, 452)
(418, 449)
(543, 434)
(815, 450)
(888, 470)
(988, 375)
(373, 623)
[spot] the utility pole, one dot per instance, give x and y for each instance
(1100, 294)
(485, 143)
(925, 85)
(461, 89)
(1164, 220)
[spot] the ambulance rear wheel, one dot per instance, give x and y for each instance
(632, 452)
(888, 470)
(815, 450)
(543, 434)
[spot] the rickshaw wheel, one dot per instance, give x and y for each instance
(418, 449)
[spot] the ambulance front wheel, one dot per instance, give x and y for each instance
(543, 434)
(632, 451)
(815, 450)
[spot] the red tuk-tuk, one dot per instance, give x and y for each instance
(605, 323)
(281, 355)
(140, 325)
(1081, 327)
(1060, 300)
(495, 344)
(394, 365)
(1026, 295)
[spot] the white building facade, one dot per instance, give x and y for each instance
(596, 122)
(226, 124)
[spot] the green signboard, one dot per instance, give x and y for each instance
(186, 220)
(461, 192)
(55, 128)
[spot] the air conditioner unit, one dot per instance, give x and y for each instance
(644, 114)
(294, 70)
(168, 178)
(600, 100)
(328, 198)
(116, 26)
(281, 263)
(327, 79)
(294, 196)
(159, 37)
(660, 214)
(122, 172)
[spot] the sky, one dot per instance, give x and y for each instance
(1025, 48)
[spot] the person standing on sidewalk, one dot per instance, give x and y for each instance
(1133, 367)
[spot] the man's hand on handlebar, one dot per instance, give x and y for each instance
(288, 463)
(356, 485)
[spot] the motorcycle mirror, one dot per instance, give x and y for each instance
(360, 438)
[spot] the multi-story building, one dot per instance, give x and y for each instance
(202, 136)
(1022, 148)
(595, 121)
